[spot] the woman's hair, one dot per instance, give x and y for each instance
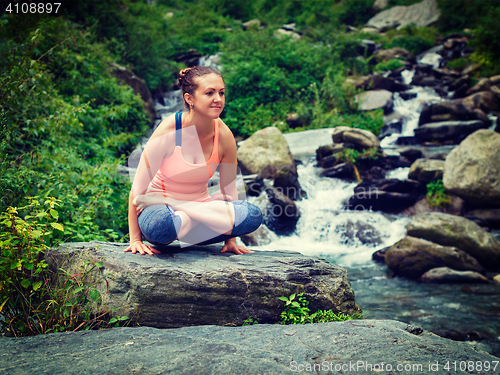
(187, 77)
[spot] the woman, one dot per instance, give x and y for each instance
(169, 197)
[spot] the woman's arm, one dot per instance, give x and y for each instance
(160, 144)
(227, 171)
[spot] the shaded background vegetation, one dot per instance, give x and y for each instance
(67, 124)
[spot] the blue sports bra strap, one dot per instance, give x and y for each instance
(178, 128)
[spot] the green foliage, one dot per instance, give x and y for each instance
(458, 64)
(385, 66)
(412, 38)
(54, 143)
(297, 312)
(457, 15)
(436, 195)
(250, 321)
(33, 298)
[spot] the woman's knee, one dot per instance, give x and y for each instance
(159, 224)
(248, 217)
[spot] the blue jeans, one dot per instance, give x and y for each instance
(160, 225)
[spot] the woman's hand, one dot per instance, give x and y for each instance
(233, 247)
(139, 246)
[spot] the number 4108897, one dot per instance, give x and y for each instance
(32, 8)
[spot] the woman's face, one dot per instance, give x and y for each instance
(209, 97)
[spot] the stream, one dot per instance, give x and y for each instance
(467, 312)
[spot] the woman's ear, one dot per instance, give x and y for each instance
(188, 99)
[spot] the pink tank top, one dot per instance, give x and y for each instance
(178, 179)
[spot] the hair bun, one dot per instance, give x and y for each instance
(183, 73)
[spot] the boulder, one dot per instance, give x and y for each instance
(374, 99)
(264, 153)
(447, 275)
(260, 237)
(484, 84)
(411, 257)
(286, 180)
(379, 82)
(472, 169)
(360, 138)
(359, 232)
(388, 195)
(199, 285)
(464, 234)
(426, 170)
(485, 217)
(448, 131)
(255, 23)
(281, 213)
(378, 5)
(364, 345)
(392, 53)
(280, 33)
(341, 170)
(138, 85)
(465, 109)
(421, 14)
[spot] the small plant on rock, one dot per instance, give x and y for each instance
(297, 312)
(437, 196)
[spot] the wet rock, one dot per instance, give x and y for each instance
(260, 237)
(279, 349)
(286, 180)
(199, 285)
(465, 109)
(484, 84)
(485, 217)
(190, 57)
(138, 85)
(421, 14)
(378, 82)
(394, 127)
(254, 185)
(447, 275)
(464, 234)
(328, 150)
(379, 255)
(378, 5)
(375, 99)
(411, 257)
(374, 173)
(362, 139)
(281, 214)
(426, 170)
(388, 195)
(448, 131)
(287, 33)
(341, 170)
(408, 95)
(365, 233)
(392, 53)
(471, 170)
(366, 47)
(412, 154)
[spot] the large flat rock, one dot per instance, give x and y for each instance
(199, 285)
(351, 347)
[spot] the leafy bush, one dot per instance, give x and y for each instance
(33, 299)
(385, 66)
(412, 38)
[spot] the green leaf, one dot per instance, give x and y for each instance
(79, 289)
(295, 304)
(36, 233)
(57, 226)
(37, 285)
(123, 318)
(54, 214)
(29, 266)
(25, 283)
(283, 299)
(112, 320)
(94, 295)
(99, 265)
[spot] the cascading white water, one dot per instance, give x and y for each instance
(325, 228)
